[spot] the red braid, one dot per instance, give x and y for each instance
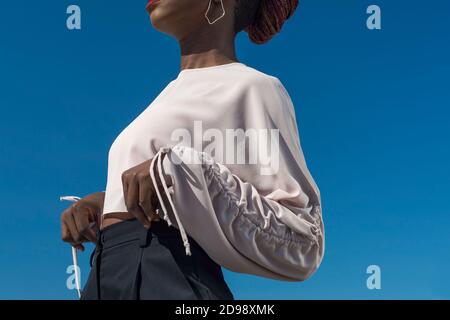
(270, 18)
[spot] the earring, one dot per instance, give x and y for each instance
(218, 18)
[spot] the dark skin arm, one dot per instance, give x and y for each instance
(80, 221)
(139, 193)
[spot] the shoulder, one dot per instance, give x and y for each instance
(251, 77)
(264, 86)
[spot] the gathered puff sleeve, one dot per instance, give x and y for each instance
(267, 224)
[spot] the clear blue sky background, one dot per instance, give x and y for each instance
(373, 113)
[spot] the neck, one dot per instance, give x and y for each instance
(207, 47)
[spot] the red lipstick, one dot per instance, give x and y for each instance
(150, 3)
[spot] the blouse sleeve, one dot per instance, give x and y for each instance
(269, 226)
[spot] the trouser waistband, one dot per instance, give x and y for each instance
(132, 229)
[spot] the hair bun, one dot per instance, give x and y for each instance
(270, 18)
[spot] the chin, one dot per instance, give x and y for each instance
(157, 20)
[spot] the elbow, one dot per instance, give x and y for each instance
(311, 270)
(310, 263)
(312, 260)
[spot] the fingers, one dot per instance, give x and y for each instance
(132, 198)
(72, 226)
(79, 247)
(65, 233)
(154, 199)
(66, 226)
(90, 234)
(155, 202)
(75, 226)
(82, 222)
(145, 198)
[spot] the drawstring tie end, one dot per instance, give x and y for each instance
(157, 158)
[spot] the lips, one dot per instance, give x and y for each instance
(151, 2)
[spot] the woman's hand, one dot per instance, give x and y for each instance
(80, 221)
(139, 193)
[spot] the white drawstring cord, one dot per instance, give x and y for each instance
(74, 251)
(157, 158)
(180, 225)
(152, 175)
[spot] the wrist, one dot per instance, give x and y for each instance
(97, 199)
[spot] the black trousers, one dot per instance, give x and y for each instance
(133, 263)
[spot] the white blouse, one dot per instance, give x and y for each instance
(227, 138)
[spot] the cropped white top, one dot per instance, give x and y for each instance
(228, 139)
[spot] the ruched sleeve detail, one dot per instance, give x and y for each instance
(267, 224)
(247, 217)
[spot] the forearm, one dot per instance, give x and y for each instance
(241, 229)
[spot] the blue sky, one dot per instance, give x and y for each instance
(372, 108)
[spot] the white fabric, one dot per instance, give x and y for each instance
(249, 217)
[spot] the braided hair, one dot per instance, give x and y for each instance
(263, 19)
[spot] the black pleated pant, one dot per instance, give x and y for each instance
(133, 263)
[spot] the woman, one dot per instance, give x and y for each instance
(211, 174)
